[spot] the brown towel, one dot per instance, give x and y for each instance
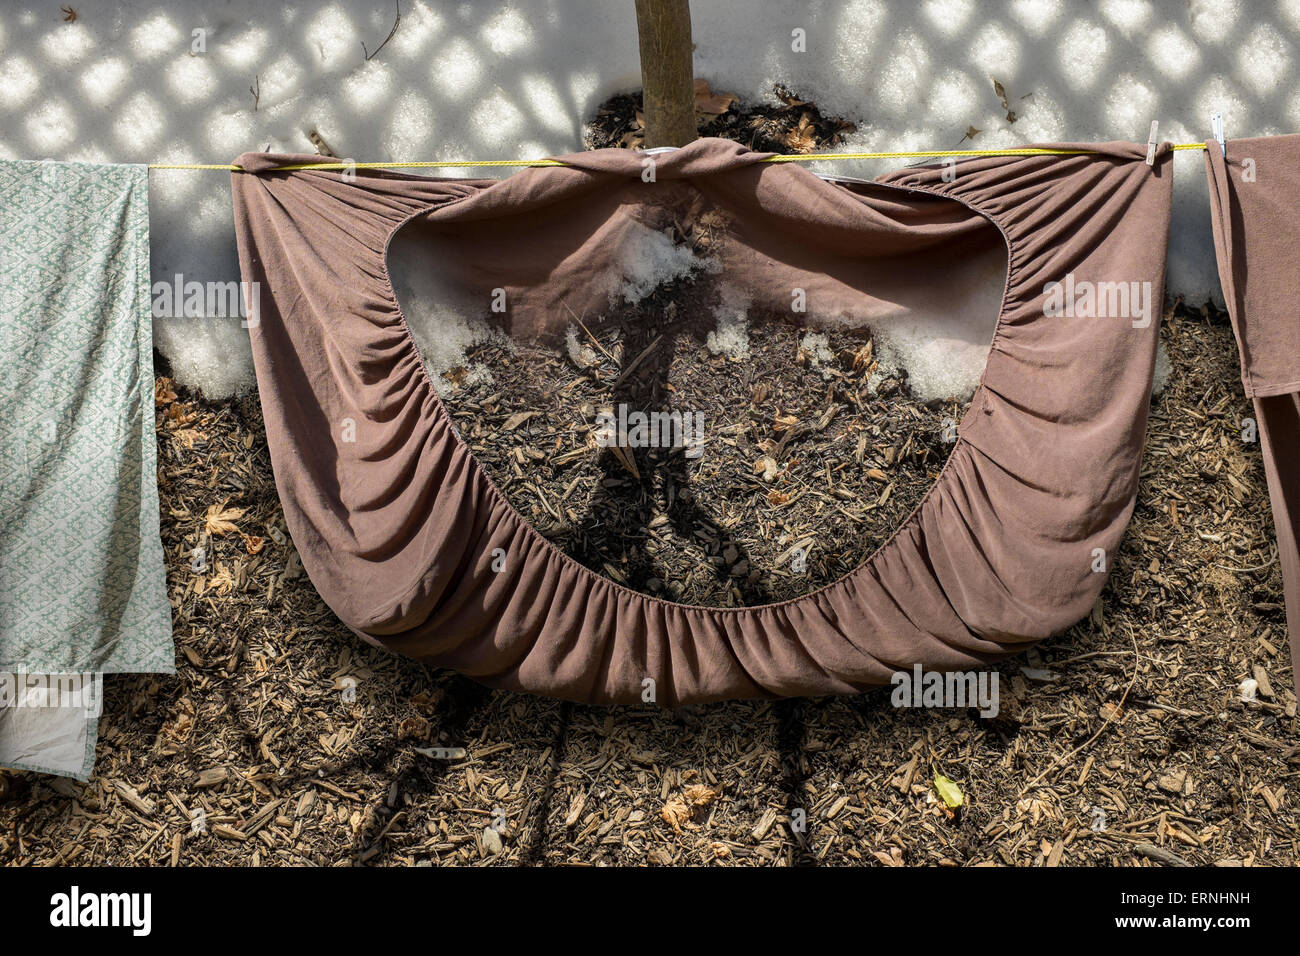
(398, 528)
(1255, 208)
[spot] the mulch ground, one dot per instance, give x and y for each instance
(284, 739)
(811, 455)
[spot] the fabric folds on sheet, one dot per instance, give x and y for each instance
(82, 587)
(398, 527)
(1255, 208)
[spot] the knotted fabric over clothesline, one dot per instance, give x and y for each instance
(397, 529)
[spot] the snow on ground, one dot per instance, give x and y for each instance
(646, 259)
(731, 336)
(133, 81)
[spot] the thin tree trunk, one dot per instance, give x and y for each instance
(667, 72)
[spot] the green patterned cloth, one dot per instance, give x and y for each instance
(82, 588)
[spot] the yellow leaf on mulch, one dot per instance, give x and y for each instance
(948, 791)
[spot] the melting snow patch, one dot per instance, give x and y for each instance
(1163, 368)
(647, 259)
(731, 338)
(817, 346)
(445, 324)
(581, 354)
(445, 334)
(886, 365)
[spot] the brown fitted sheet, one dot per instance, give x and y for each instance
(397, 530)
(1255, 208)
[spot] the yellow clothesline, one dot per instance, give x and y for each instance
(788, 158)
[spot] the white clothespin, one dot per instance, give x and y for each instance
(1216, 127)
(1151, 143)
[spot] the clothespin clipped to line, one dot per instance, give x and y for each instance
(322, 147)
(1216, 128)
(1151, 143)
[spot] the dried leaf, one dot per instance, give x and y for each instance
(700, 797)
(1001, 92)
(691, 805)
(517, 419)
(180, 413)
(222, 581)
(625, 459)
(706, 101)
(413, 728)
(803, 138)
(221, 520)
(675, 813)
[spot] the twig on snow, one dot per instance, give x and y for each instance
(398, 5)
